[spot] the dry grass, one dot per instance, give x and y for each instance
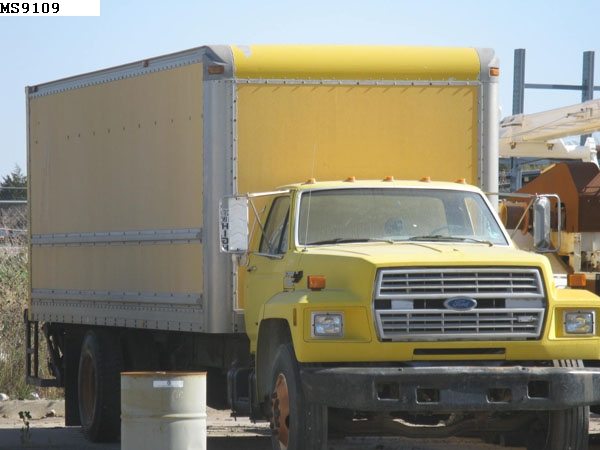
(13, 298)
(13, 302)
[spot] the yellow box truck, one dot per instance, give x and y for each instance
(239, 210)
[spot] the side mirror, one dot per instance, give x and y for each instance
(516, 216)
(233, 212)
(542, 224)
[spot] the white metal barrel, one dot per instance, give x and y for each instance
(163, 410)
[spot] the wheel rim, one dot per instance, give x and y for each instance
(280, 409)
(87, 392)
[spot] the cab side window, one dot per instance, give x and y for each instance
(275, 237)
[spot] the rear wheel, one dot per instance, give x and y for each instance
(99, 386)
(297, 423)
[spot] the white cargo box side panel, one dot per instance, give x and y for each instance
(116, 187)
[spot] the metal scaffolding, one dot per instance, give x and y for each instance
(586, 87)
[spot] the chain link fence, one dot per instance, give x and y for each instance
(13, 195)
(13, 218)
(13, 227)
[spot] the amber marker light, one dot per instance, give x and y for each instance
(494, 72)
(462, 181)
(426, 179)
(215, 70)
(577, 280)
(316, 282)
(388, 178)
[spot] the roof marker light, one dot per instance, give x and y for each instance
(426, 179)
(388, 178)
(351, 179)
(311, 181)
(462, 181)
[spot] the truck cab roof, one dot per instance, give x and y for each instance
(387, 182)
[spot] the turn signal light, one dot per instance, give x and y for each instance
(316, 282)
(577, 280)
(494, 71)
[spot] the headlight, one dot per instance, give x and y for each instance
(579, 322)
(327, 324)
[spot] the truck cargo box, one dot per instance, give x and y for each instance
(127, 165)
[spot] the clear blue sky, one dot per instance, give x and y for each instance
(555, 34)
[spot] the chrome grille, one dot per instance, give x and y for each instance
(408, 304)
(433, 282)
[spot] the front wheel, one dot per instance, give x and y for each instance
(297, 423)
(564, 429)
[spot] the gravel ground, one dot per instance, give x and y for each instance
(47, 431)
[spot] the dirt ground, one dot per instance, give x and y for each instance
(47, 431)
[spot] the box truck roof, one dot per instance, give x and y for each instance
(350, 62)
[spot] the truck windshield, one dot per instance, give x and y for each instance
(390, 214)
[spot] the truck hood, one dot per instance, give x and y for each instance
(355, 266)
(427, 253)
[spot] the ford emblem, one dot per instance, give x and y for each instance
(460, 303)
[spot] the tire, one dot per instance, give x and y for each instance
(297, 423)
(99, 386)
(564, 429)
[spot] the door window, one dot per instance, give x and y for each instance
(275, 237)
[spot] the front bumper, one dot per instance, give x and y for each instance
(452, 389)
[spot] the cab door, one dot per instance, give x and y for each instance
(269, 266)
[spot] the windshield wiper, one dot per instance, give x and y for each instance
(423, 238)
(349, 240)
(442, 238)
(478, 241)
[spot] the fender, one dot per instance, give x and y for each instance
(296, 308)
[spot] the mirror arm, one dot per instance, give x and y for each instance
(514, 232)
(257, 218)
